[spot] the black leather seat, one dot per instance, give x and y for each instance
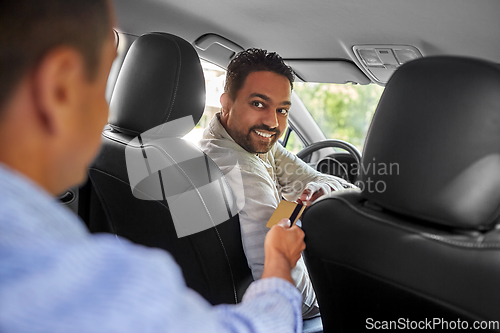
(421, 240)
(161, 83)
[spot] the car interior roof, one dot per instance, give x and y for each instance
(325, 29)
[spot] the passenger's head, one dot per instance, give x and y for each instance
(256, 99)
(254, 60)
(55, 57)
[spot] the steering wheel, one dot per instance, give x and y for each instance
(353, 151)
(331, 143)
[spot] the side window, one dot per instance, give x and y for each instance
(291, 141)
(215, 78)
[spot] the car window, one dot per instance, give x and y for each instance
(292, 141)
(215, 78)
(342, 111)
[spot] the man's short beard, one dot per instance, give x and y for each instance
(247, 143)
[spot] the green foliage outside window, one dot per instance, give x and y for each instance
(294, 144)
(342, 111)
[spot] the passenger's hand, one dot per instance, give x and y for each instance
(283, 247)
(312, 192)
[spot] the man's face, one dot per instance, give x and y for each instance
(258, 116)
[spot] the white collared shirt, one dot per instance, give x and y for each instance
(266, 178)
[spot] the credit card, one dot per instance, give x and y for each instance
(286, 209)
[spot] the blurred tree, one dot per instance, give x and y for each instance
(342, 111)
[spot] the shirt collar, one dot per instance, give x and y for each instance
(217, 130)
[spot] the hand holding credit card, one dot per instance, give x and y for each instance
(286, 209)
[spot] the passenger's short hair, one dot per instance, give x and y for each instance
(254, 60)
(29, 29)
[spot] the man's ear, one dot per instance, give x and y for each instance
(226, 103)
(58, 87)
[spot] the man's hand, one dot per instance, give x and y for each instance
(283, 247)
(312, 192)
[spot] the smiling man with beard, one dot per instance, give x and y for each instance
(255, 106)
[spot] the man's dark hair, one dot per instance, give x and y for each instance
(29, 29)
(254, 60)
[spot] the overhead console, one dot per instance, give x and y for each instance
(220, 50)
(380, 61)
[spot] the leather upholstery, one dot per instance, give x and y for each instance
(161, 80)
(439, 120)
(426, 244)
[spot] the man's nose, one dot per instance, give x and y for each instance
(271, 119)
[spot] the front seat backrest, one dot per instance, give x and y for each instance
(421, 240)
(159, 90)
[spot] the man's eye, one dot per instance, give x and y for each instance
(258, 104)
(283, 111)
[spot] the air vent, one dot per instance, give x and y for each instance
(380, 61)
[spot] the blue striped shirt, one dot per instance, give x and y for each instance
(56, 277)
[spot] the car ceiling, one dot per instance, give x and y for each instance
(325, 29)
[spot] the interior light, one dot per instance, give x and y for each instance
(370, 57)
(387, 57)
(380, 61)
(405, 55)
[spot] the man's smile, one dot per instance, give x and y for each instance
(264, 134)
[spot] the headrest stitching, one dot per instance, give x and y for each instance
(428, 235)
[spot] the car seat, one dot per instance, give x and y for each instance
(420, 242)
(160, 95)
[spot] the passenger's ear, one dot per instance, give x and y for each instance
(58, 88)
(226, 103)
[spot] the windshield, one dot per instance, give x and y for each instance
(342, 111)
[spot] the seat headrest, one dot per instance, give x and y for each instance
(161, 79)
(433, 148)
